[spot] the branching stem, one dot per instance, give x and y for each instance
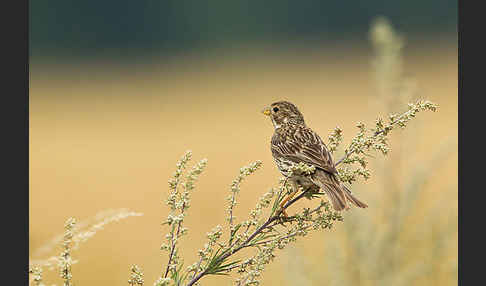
(252, 236)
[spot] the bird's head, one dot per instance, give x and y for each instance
(283, 113)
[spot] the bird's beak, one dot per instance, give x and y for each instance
(266, 111)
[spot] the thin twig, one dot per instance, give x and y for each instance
(354, 150)
(197, 267)
(374, 135)
(174, 242)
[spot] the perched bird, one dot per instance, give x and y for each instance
(294, 142)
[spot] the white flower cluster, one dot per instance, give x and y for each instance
(235, 189)
(162, 282)
(300, 169)
(262, 203)
(176, 178)
(253, 268)
(375, 139)
(335, 139)
(179, 202)
(213, 236)
(65, 260)
(36, 275)
(136, 277)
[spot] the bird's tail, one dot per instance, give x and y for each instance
(337, 192)
(353, 199)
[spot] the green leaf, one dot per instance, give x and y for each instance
(233, 232)
(277, 202)
(223, 268)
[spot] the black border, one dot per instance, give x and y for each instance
(14, 22)
(471, 205)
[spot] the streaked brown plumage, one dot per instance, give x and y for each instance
(294, 142)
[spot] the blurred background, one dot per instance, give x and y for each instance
(120, 90)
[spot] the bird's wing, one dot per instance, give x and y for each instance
(303, 145)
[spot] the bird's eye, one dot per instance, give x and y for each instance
(275, 109)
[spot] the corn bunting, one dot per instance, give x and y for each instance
(294, 142)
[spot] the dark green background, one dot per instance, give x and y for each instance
(87, 28)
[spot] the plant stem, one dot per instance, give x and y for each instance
(174, 243)
(375, 134)
(252, 236)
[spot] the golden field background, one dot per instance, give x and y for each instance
(105, 136)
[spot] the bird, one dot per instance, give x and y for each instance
(294, 142)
